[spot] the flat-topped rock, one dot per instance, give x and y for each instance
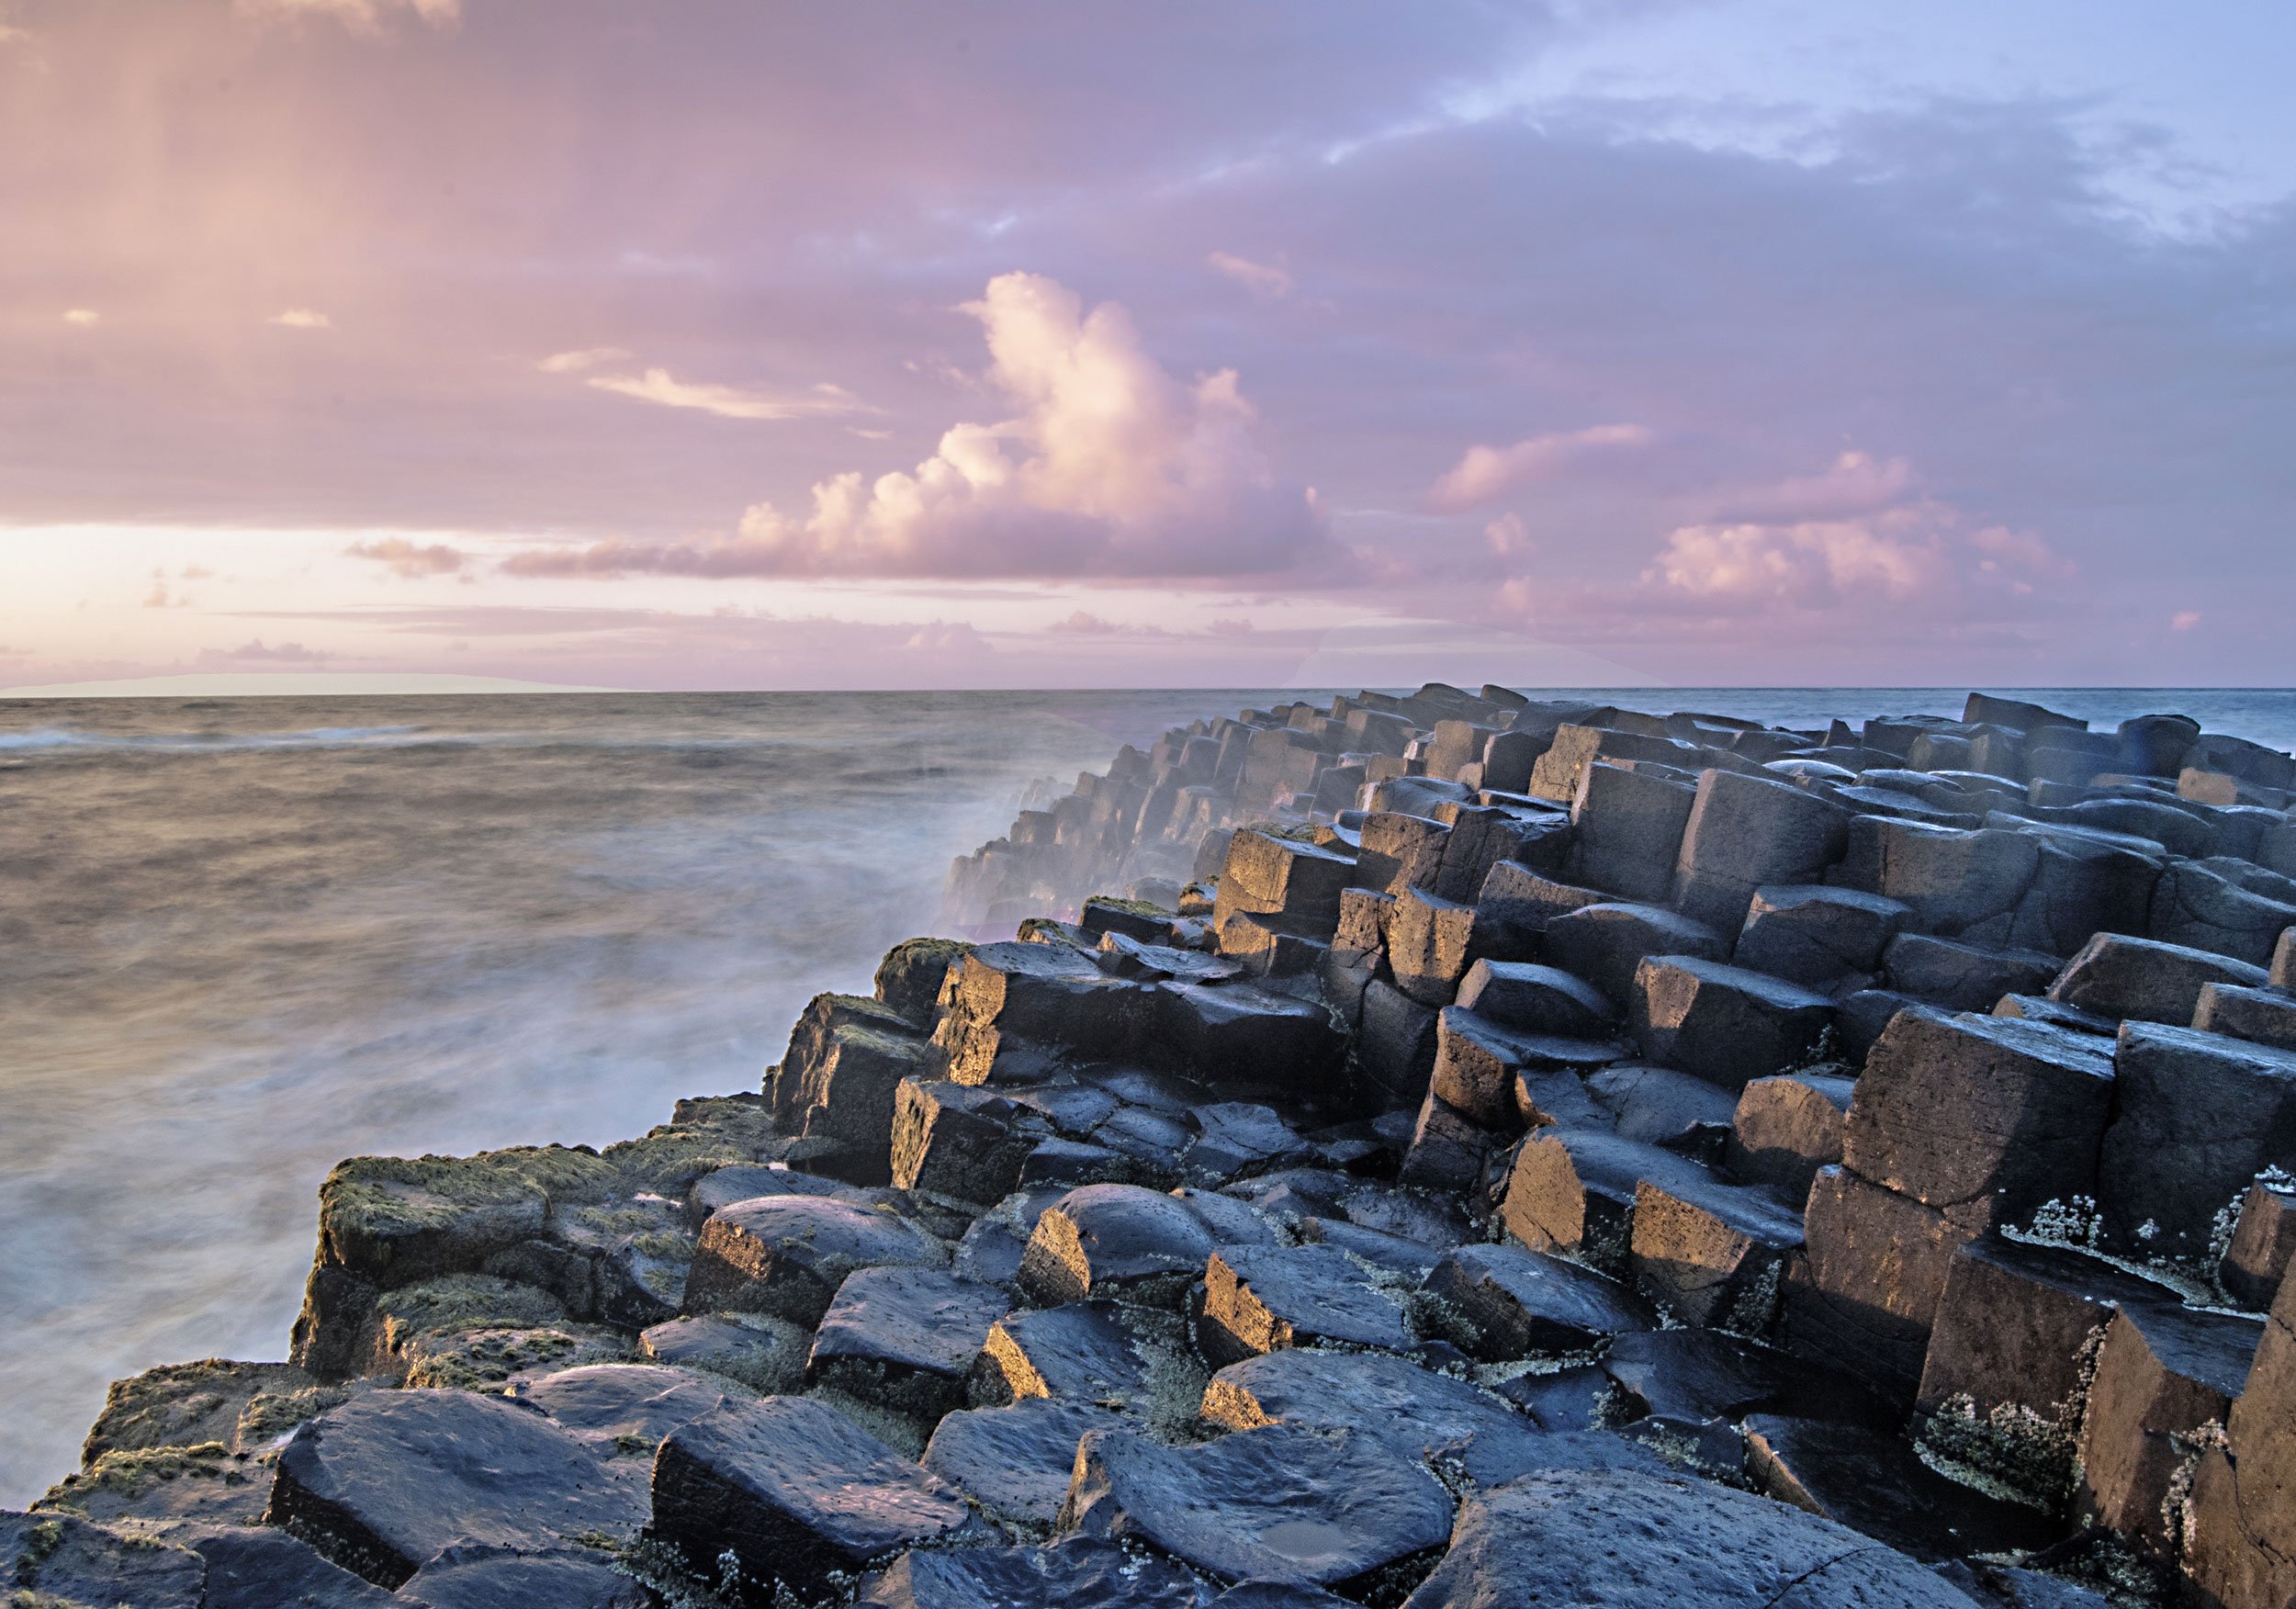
(1108, 1353)
(766, 1353)
(2117, 976)
(1014, 1461)
(1262, 1298)
(1626, 1536)
(2197, 1117)
(1873, 1482)
(1431, 1417)
(1605, 943)
(1533, 998)
(1282, 1504)
(1081, 1572)
(1510, 1302)
(1722, 1022)
(381, 1484)
(786, 1256)
(1106, 1240)
(1953, 1108)
(261, 1567)
(905, 1337)
(472, 1577)
(795, 1492)
(624, 1407)
(64, 1560)
(1814, 934)
(1787, 1128)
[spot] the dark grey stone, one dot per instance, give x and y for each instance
(1014, 1461)
(469, 1577)
(382, 1483)
(795, 1492)
(1280, 1504)
(1079, 1573)
(1508, 1302)
(787, 1255)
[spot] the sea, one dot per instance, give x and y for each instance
(241, 938)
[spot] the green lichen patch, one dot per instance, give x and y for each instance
(181, 1404)
(474, 1359)
(271, 1414)
(459, 1302)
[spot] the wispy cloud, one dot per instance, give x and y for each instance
(1270, 280)
(408, 560)
(574, 363)
(81, 318)
(1485, 474)
(657, 385)
(301, 319)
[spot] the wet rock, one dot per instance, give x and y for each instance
(1014, 1461)
(1079, 1573)
(1015, 1012)
(2265, 1016)
(2055, 1014)
(1713, 1253)
(1564, 1401)
(1784, 1129)
(1875, 1271)
(382, 1483)
(1507, 1302)
(1426, 1415)
(1951, 1108)
(1605, 944)
(1627, 1536)
(764, 1353)
(1111, 1240)
(2197, 1117)
(1107, 1353)
(1262, 1298)
(1660, 1106)
(1697, 1377)
(2002, 1586)
(469, 1577)
(1280, 1504)
(621, 1408)
(1722, 1022)
(1517, 902)
(2264, 1240)
(62, 1561)
(1477, 1064)
(2117, 975)
(847, 1091)
(796, 1493)
(727, 1187)
(905, 1337)
(1535, 999)
(1874, 1483)
(1236, 1138)
(1809, 934)
(1408, 1260)
(256, 1566)
(786, 1255)
(2162, 1373)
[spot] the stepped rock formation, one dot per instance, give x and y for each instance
(1443, 1150)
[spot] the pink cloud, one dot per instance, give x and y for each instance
(1485, 474)
(408, 560)
(1107, 467)
(255, 652)
(1268, 280)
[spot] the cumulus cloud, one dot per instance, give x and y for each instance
(256, 652)
(2184, 620)
(657, 385)
(81, 318)
(1507, 536)
(1485, 474)
(574, 363)
(1084, 624)
(1107, 467)
(1853, 534)
(1270, 280)
(301, 319)
(365, 17)
(409, 559)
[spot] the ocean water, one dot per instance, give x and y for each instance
(242, 939)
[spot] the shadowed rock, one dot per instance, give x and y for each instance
(2264, 1240)
(382, 1483)
(1108, 1353)
(2199, 1116)
(905, 1337)
(765, 1353)
(1110, 1240)
(1785, 1128)
(2161, 1374)
(795, 1491)
(469, 1577)
(1280, 1504)
(1080, 1572)
(68, 1562)
(1262, 1298)
(787, 1255)
(1873, 1482)
(1509, 1302)
(1014, 1461)
(1721, 1022)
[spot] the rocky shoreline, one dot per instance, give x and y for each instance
(1447, 1150)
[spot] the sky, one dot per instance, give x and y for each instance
(1306, 343)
